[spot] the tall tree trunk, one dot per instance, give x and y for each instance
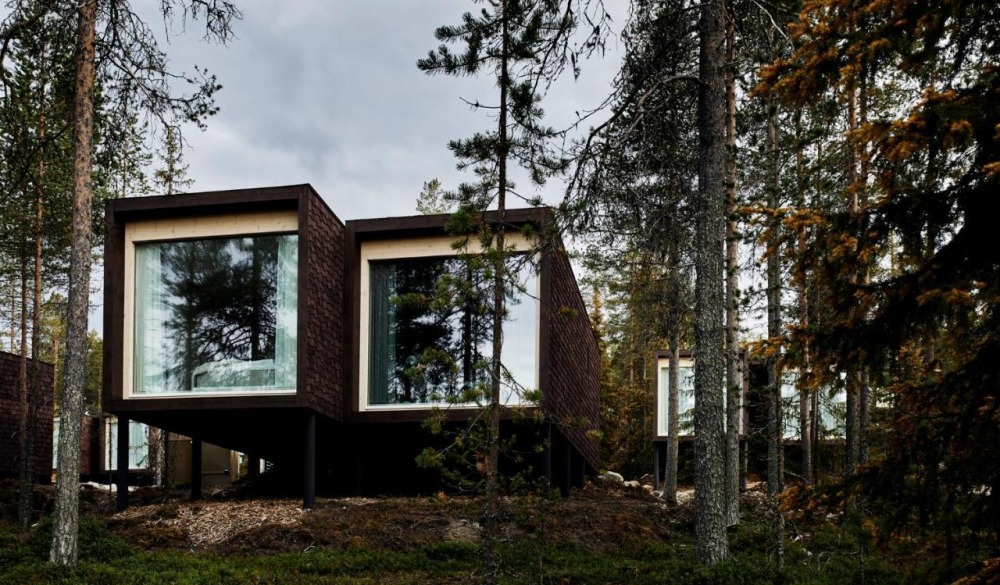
(775, 426)
(711, 545)
(673, 414)
(853, 382)
(26, 430)
(864, 393)
(32, 389)
(775, 435)
(65, 527)
(734, 373)
(806, 413)
(491, 527)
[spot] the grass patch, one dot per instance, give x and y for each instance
(596, 537)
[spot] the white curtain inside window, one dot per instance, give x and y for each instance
(149, 337)
(170, 276)
(286, 325)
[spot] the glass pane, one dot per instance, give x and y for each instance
(216, 315)
(685, 405)
(138, 445)
(790, 405)
(430, 331)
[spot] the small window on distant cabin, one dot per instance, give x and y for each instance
(215, 315)
(138, 445)
(430, 331)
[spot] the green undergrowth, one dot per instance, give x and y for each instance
(827, 556)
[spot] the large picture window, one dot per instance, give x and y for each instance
(215, 315)
(429, 331)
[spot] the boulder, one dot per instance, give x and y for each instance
(613, 477)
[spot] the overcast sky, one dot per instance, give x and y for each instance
(328, 93)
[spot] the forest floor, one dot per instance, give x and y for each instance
(603, 533)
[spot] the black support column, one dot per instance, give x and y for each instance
(121, 457)
(547, 455)
(309, 465)
(579, 468)
(253, 466)
(656, 466)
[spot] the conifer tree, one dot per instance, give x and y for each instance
(524, 45)
(919, 196)
(117, 50)
(711, 545)
(172, 177)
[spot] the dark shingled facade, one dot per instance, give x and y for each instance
(10, 418)
(320, 429)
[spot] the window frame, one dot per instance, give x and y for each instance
(663, 397)
(190, 228)
(427, 247)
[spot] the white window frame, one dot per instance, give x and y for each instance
(663, 395)
(440, 246)
(164, 230)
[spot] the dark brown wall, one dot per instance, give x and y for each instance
(322, 313)
(571, 361)
(90, 445)
(10, 417)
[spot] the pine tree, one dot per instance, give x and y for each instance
(711, 545)
(172, 177)
(524, 45)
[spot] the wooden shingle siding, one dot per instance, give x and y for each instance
(572, 363)
(323, 311)
(10, 418)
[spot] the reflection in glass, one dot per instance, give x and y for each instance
(685, 403)
(832, 408)
(216, 315)
(138, 445)
(430, 331)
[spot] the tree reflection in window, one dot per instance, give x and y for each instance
(430, 332)
(216, 314)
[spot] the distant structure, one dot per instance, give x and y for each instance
(10, 418)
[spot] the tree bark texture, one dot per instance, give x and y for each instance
(806, 423)
(775, 426)
(673, 420)
(65, 526)
(853, 385)
(711, 545)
